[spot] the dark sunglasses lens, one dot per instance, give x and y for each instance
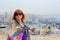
(20, 14)
(16, 14)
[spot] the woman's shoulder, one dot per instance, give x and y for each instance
(24, 21)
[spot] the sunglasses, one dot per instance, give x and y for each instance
(17, 14)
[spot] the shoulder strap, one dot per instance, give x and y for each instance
(26, 28)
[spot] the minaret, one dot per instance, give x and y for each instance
(6, 15)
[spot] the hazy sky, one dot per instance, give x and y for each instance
(41, 7)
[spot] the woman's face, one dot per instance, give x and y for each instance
(19, 16)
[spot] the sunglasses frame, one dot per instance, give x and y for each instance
(16, 14)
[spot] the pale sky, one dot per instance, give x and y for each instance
(40, 7)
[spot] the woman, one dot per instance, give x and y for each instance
(18, 30)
